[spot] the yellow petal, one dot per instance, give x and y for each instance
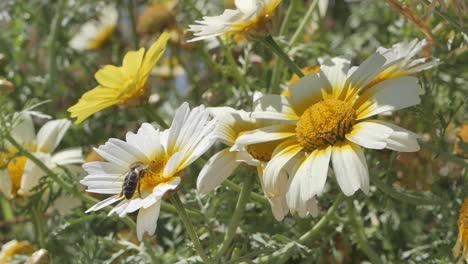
(92, 102)
(152, 56)
(110, 76)
(132, 62)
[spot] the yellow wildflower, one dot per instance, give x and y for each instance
(462, 233)
(124, 85)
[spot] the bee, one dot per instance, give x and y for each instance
(132, 179)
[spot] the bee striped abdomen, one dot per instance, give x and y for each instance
(130, 184)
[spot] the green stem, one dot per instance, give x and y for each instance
(445, 155)
(361, 238)
(131, 13)
(38, 225)
(189, 227)
(236, 216)
(275, 48)
(6, 210)
(52, 42)
(406, 198)
(254, 196)
(304, 22)
(283, 255)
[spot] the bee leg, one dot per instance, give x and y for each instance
(139, 189)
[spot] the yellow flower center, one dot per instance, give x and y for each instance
(101, 38)
(262, 151)
(325, 123)
(153, 175)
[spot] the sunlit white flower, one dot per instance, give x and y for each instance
(252, 18)
(326, 119)
(163, 154)
(232, 124)
(93, 34)
(21, 174)
(13, 248)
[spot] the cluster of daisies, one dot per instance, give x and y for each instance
(326, 117)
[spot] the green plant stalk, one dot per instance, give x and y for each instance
(38, 225)
(189, 227)
(7, 212)
(275, 48)
(303, 23)
(52, 42)
(406, 198)
(236, 216)
(361, 238)
(445, 155)
(282, 256)
(131, 13)
(254, 196)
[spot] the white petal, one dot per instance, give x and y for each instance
(265, 134)
(177, 124)
(335, 71)
(173, 164)
(51, 133)
(68, 156)
(313, 173)
(104, 203)
(6, 186)
(307, 91)
(33, 173)
(147, 140)
(367, 71)
(401, 139)
(350, 167)
(285, 152)
(161, 189)
(370, 134)
(147, 220)
(123, 154)
(23, 130)
(279, 207)
(389, 95)
(216, 170)
(100, 167)
(274, 107)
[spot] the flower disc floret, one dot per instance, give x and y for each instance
(325, 123)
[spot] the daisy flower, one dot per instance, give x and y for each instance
(13, 248)
(20, 174)
(95, 33)
(231, 124)
(250, 19)
(462, 239)
(124, 85)
(327, 118)
(158, 157)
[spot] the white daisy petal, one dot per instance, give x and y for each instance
(266, 134)
(367, 71)
(104, 203)
(147, 140)
(279, 207)
(305, 92)
(370, 134)
(6, 186)
(284, 153)
(401, 139)
(334, 70)
(381, 97)
(123, 154)
(160, 190)
(23, 130)
(68, 156)
(33, 173)
(312, 174)
(147, 220)
(275, 107)
(350, 167)
(51, 133)
(216, 170)
(177, 124)
(100, 167)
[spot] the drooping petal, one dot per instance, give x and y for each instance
(370, 134)
(275, 107)
(350, 167)
(312, 174)
(216, 170)
(388, 95)
(51, 134)
(147, 220)
(282, 155)
(401, 139)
